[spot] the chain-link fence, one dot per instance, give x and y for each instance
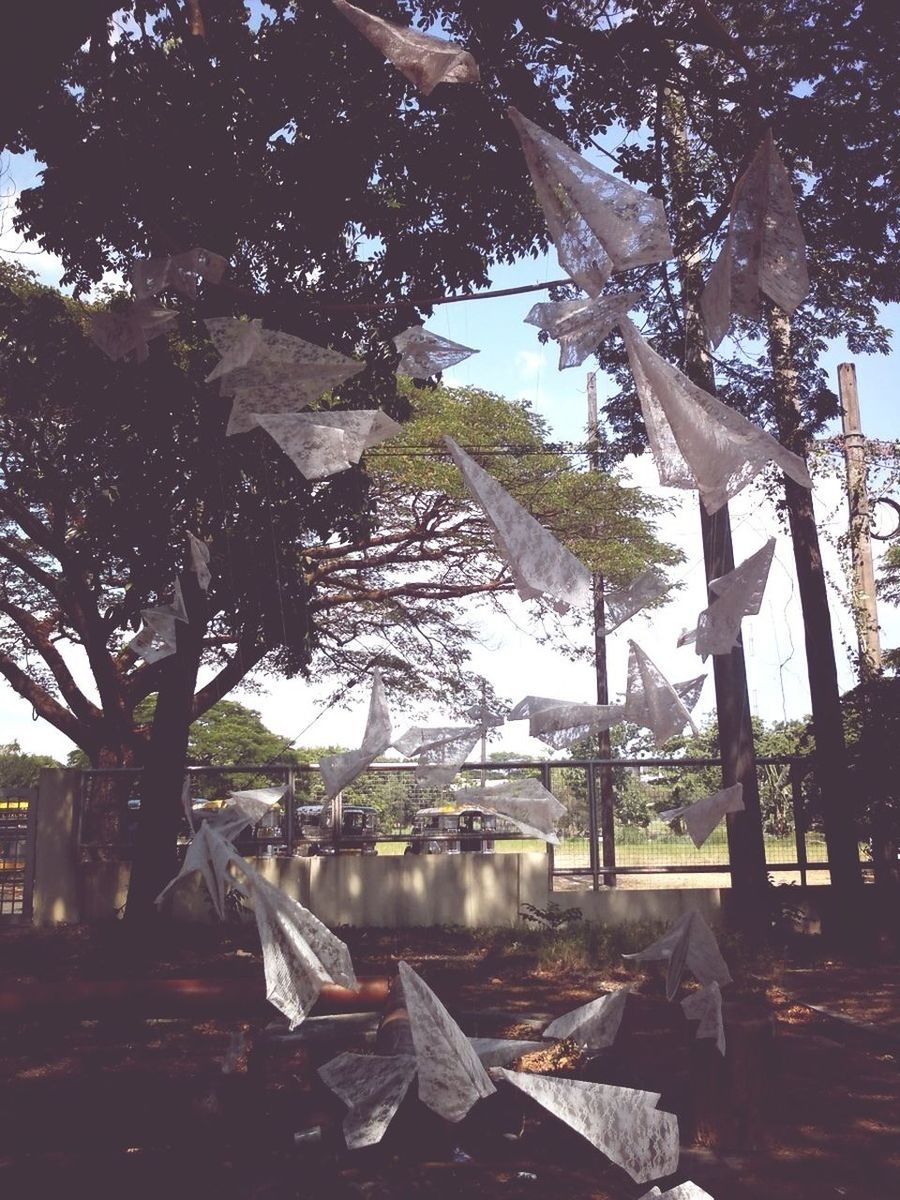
(611, 834)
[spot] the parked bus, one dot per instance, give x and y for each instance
(359, 825)
(438, 830)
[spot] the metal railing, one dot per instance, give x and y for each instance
(590, 850)
(18, 812)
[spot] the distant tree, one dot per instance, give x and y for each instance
(18, 770)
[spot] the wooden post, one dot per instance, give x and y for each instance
(604, 745)
(825, 698)
(865, 612)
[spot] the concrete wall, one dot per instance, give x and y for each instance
(57, 881)
(380, 891)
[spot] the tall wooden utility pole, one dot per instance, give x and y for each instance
(746, 847)
(604, 747)
(865, 612)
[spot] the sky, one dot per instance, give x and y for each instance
(512, 362)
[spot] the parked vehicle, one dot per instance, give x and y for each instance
(359, 824)
(438, 830)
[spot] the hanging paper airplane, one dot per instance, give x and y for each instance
(623, 1123)
(440, 750)
(705, 1006)
(320, 444)
(423, 354)
(339, 770)
(689, 943)
(598, 223)
(682, 1191)
(524, 802)
(266, 371)
(538, 563)
(701, 817)
(157, 638)
(764, 250)
(593, 1025)
(620, 604)
(256, 803)
(128, 330)
(300, 954)
(697, 441)
(654, 703)
(451, 1078)
(739, 594)
(580, 325)
(178, 272)
(200, 561)
(559, 723)
(425, 60)
(209, 854)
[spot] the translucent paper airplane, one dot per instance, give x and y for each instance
(682, 1191)
(424, 354)
(580, 325)
(299, 953)
(503, 1052)
(538, 563)
(339, 770)
(451, 1076)
(157, 638)
(739, 594)
(524, 802)
(425, 60)
(764, 250)
(177, 272)
(559, 723)
(598, 223)
(623, 1123)
(593, 1025)
(322, 443)
(620, 604)
(200, 561)
(270, 372)
(701, 817)
(691, 944)
(209, 854)
(127, 331)
(654, 703)
(256, 803)
(373, 1087)
(705, 1006)
(697, 441)
(440, 750)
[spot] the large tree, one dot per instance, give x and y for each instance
(105, 466)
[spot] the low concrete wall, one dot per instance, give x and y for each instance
(400, 890)
(616, 907)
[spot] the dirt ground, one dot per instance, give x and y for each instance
(804, 1106)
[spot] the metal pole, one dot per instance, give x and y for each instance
(865, 611)
(594, 857)
(604, 746)
(289, 810)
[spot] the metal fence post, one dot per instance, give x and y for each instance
(799, 823)
(593, 827)
(289, 811)
(607, 823)
(551, 861)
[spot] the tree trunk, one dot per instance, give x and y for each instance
(828, 726)
(746, 845)
(155, 852)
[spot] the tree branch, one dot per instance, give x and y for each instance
(37, 634)
(44, 704)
